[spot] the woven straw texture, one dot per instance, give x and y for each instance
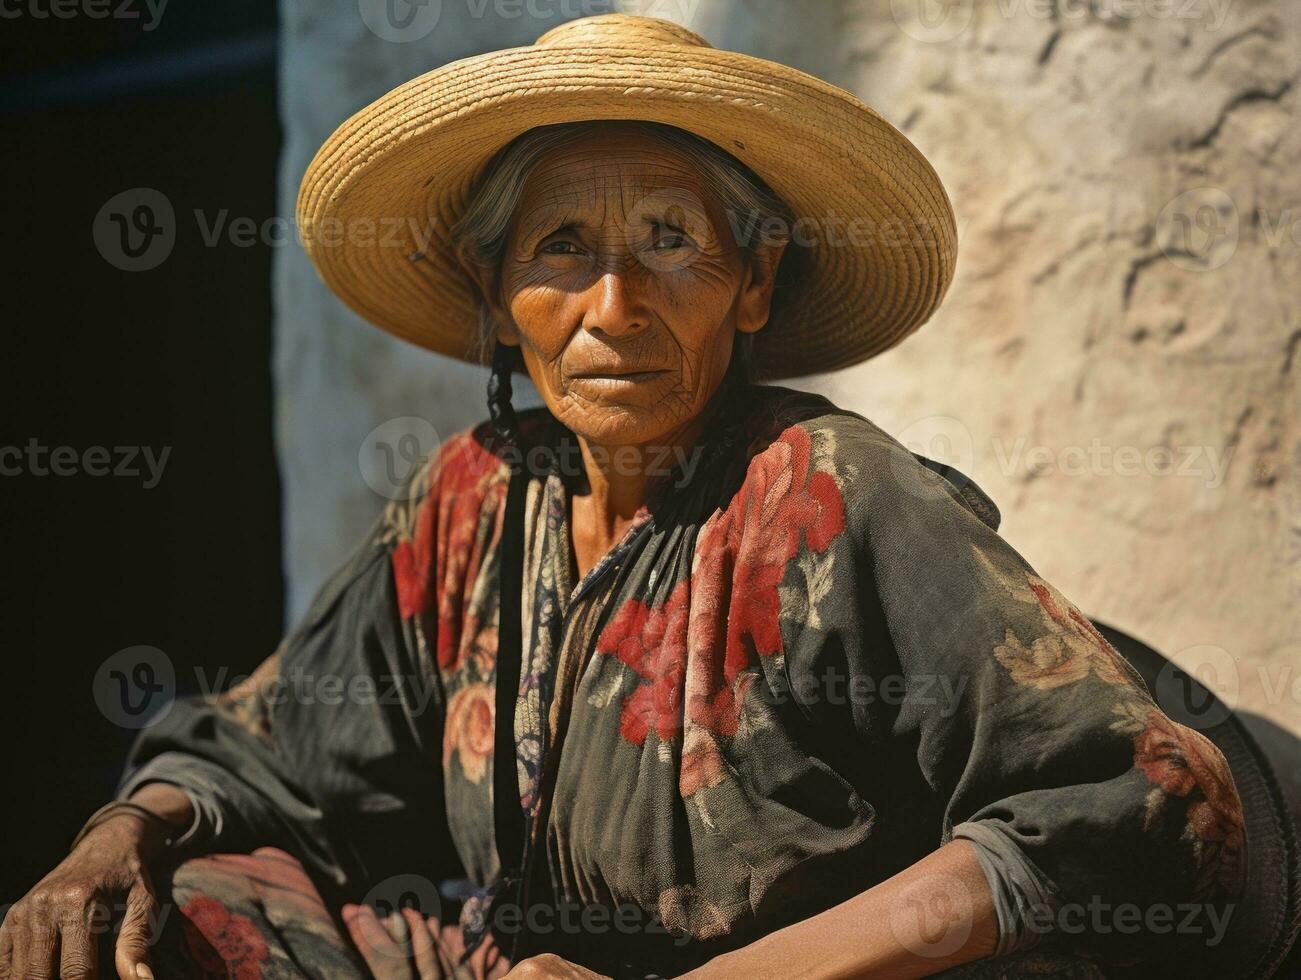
(378, 199)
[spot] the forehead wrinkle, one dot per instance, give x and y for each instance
(542, 208)
(585, 188)
(588, 187)
(586, 165)
(591, 205)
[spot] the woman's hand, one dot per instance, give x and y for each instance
(53, 930)
(405, 945)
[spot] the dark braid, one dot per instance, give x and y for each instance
(731, 404)
(505, 422)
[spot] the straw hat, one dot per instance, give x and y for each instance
(377, 200)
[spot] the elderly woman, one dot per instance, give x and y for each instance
(680, 673)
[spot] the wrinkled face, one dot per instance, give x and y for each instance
(623, 286)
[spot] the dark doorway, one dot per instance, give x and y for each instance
(109, 543)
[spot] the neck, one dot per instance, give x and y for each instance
(620, 478)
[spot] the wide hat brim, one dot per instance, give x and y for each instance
(378, 200)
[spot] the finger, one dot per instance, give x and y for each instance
(423, 950)
(78, 948)
(490, 964)
(451, 946)
(35, 947)
(395, 924)
(375, 944)
(497, 964)
(371, 938)
(477, 962)
(131, 955)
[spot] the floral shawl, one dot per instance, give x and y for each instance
(806, 663)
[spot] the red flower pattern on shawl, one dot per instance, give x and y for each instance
(444, 545)
(413, 564)
(469, 729)
(691, 651)
(1185, 763)
(1069, 651)
(223, 943)
(652, 642)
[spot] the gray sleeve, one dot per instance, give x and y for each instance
(1023, 898)
(186, 774)
(343, 776)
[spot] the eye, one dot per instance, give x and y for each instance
(559, 246)
(665, 239)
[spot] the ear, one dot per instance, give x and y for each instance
(754, 303)
(484, 280)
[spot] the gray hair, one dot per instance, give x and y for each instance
(480, 234)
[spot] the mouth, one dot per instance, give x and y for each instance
(616, 377)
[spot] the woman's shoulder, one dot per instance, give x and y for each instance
(474, 461)
(778, 408)
(466, 464)
(875, 473)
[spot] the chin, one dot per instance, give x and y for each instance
(617, 423)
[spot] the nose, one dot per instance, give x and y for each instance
(614, 305)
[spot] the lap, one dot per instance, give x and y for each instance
(259, 917)
(251, 917)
